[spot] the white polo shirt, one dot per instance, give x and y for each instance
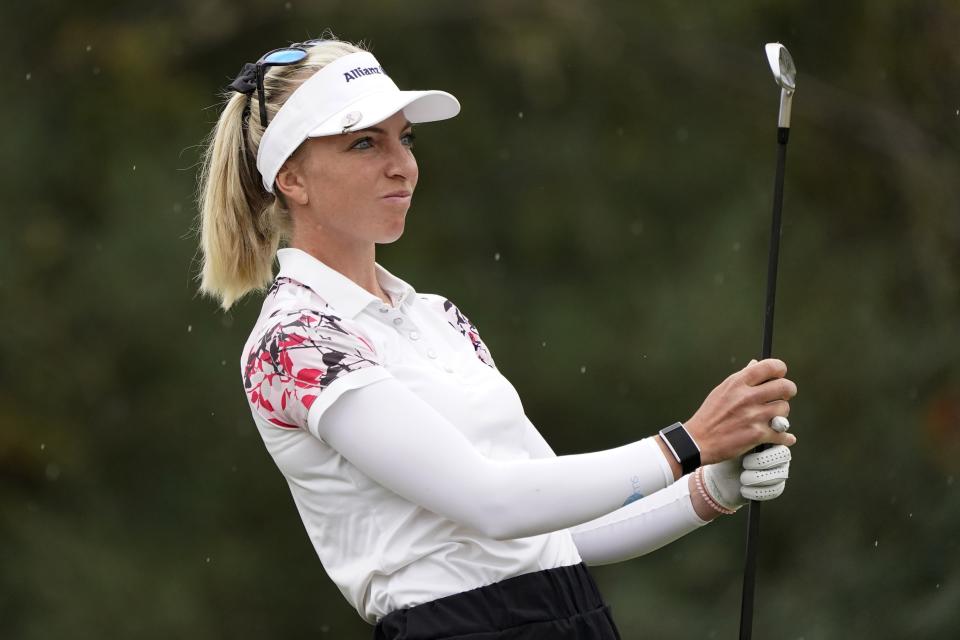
(382, 551)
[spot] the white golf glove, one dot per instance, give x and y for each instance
(756, 476)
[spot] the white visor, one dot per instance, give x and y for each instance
(349, 94)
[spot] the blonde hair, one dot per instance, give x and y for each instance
(241, 225)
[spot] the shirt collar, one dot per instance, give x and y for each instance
(339, 291)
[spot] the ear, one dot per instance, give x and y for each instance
(291, 184)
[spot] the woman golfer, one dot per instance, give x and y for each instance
(433, 503)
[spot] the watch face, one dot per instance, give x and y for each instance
(685, 450)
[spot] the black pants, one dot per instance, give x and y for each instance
(555, 604)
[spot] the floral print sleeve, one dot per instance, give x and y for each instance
(462, 324)
(297, 358)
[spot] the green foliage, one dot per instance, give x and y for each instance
(599, 209)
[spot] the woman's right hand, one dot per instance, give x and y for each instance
(736, 416)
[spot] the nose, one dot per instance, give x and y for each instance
(401, 164)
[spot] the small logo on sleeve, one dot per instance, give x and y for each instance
(636, 495)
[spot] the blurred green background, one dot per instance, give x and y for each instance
(600, 210)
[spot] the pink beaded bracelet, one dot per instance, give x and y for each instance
(698, 478)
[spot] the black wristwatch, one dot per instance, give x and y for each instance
(682, 446)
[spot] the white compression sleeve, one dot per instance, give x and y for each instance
(636, 529)
(538, 447)
(397, 439)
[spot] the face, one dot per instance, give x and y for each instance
(353, 188)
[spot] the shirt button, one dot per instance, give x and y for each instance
(431, 353)
(384, 309)
(414, 335)
(398, 321)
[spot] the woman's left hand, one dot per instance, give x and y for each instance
(756, 476)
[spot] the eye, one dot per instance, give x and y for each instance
(408, 139)
(363, 143)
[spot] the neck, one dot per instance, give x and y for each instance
(354, 260)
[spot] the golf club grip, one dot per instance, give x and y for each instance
(750, 570)
(753, 510)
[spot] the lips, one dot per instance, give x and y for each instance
(398, 194)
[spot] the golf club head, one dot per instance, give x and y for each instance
(781, 63)
(785, 73)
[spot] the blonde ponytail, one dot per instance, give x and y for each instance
(241, 225)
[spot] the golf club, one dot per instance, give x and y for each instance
(785, 74)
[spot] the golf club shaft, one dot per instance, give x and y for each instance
(773, 260)
(753, 510)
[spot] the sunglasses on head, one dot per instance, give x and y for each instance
(277, 58)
